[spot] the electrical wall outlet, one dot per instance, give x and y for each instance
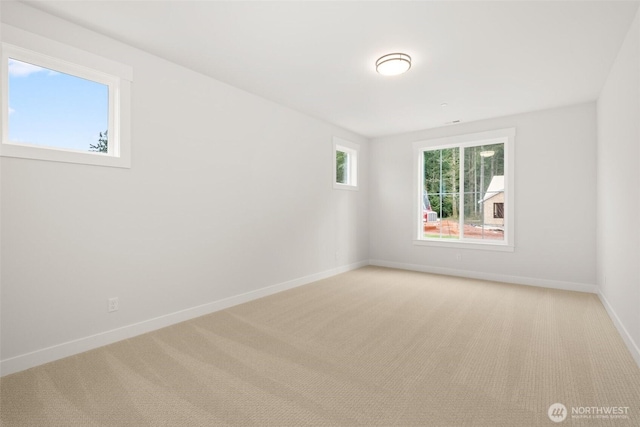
(113, 304)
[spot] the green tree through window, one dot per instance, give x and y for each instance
(342, 160)
(103, 143)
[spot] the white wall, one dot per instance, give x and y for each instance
(228, 193)
(618, 190)
(555, 212)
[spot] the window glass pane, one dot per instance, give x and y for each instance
(54, 109)
(444, 227)
(440, 193)
(342, 167)
(484, 187)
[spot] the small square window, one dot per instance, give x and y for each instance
(345, 174)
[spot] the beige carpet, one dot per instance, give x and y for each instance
(369, 347)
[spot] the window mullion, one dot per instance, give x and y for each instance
(421, 195)
(440, 189)
(461, 194)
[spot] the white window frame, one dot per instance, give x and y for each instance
(506, 136)
(31, 48)
(352, 150)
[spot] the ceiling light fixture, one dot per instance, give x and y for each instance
(393, 64)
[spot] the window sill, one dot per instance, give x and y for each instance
(64, 156)
(345, 187)
(466, 244)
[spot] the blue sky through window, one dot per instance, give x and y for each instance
(54, 109)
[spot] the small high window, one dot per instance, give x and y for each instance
(63, 104)
(345, 164)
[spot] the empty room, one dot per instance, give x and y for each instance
(319, 213)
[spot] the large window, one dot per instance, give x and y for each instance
(465, 190)
(63, 104)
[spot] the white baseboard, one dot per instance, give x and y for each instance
(631, 344)
(59, 351)
(518, 280)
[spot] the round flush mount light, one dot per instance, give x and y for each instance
(393, 64)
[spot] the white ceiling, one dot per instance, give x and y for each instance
(484, 59)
